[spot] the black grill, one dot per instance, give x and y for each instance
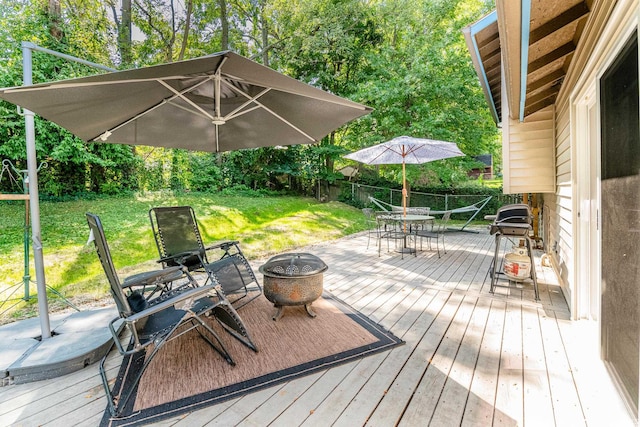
(512, 220)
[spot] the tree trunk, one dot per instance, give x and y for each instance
(224, 23)
(265, 33)
(53, 12)
(187, 27)
(124, 33)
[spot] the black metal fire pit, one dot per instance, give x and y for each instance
(293, 279)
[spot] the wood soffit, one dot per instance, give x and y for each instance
(555, 30)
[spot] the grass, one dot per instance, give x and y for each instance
(263, 225)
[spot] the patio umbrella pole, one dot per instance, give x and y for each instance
(32, 168)
(404, 193)
(34, 205)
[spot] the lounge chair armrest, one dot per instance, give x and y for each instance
(155, 277)
(180, 257)
(191, 293)
(224, 244)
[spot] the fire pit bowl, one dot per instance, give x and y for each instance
(293, 279)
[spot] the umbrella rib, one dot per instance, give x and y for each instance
(261, 105)
(187, 100)
(194, 112)
(250, 99)
(105, 135)
(303, 133)
(242, 113)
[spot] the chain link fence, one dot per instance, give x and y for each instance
(360, 193)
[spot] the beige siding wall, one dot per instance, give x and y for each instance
(603, 35)
(560, 229)
(528, 154)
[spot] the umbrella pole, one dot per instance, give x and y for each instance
(404, 194)
(34, 205)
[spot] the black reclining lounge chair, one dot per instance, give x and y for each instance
(179, 243)
(159, 317)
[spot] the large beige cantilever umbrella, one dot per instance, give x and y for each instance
(403, 150)
(215, 103)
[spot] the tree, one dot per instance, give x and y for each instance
(421, 83)
(74, 166)
(124, 30)
(328, 45)
(406, 59)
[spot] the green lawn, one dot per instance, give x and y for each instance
(263, 225)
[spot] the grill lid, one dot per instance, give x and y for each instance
(514, 220)
(517, 213)
(293, 265)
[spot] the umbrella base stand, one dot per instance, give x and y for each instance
(405, 250)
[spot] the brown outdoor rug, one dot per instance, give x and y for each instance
(187, 374)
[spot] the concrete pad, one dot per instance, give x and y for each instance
(78, 340)
(86, 320)
(13, 350)
(28, 328)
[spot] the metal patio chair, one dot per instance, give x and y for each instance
(436, 233)
(152, 322)
(392, 228)
(179, 243)
(372, 224)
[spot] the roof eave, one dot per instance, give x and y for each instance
(511, 38)
(472, 45)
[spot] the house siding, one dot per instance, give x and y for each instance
(560, 228)
(572, 229)
(528, 148)
(589, 59)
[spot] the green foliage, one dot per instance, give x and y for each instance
(73, 165)
(205, 173)
(406, 59)
(422, 84)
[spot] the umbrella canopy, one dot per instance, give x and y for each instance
(216, 103)
(403, 150)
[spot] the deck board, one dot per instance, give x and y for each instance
(538, 407)
(470, 358)
(479, 407)
(451, 407)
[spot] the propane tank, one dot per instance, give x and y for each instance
(517, 264)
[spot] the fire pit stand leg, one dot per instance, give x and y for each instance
(310, 311)
(279, 312)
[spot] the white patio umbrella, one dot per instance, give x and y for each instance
(403, 150)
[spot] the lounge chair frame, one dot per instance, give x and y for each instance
(163, 318)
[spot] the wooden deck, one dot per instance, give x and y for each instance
(471, 358)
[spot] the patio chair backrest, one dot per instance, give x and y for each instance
(176, 231)
(102, 248)
(442, 224)
(232, 273)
